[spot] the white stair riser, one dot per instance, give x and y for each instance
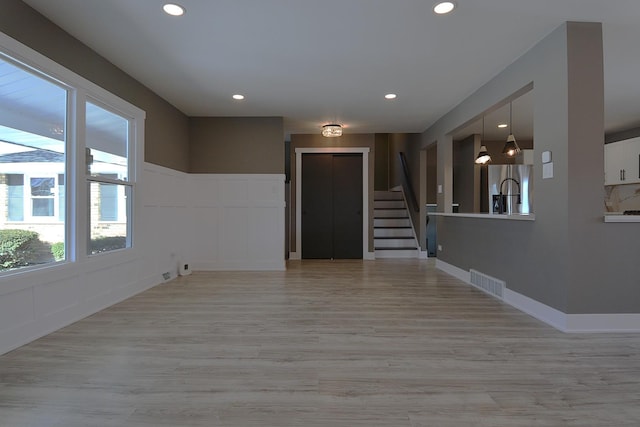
(388, 204)
(392, 232)
(390, 213)
(380, 254)
(394, 243)
(390, 222)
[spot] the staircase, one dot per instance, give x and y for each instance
(393, 234)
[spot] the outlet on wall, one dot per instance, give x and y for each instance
(440, 248)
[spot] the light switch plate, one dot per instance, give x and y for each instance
(546, 157)
(547, 170)
(439, 188)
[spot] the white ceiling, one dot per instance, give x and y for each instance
(319, 61)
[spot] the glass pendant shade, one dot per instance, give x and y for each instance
(483, 156)
(511, 148)
(331, 130)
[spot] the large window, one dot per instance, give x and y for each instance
(107, 156)
(33, 141)
(66, 164)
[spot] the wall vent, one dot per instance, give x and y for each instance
(488, 284)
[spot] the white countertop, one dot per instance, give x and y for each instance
(511, 217)
(608, 217)
(619, 217)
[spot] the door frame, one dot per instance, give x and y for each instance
(365, 195)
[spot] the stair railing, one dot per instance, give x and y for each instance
(406, 184)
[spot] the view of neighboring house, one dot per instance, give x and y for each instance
(33, 188)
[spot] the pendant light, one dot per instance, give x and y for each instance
(511, 148)
(483, 156)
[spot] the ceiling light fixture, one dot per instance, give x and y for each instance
(391, 96)
(503, 125)
(173, 9)
(483, 156)
(238, 97)
(444, 7)
(511, 148)
(331, 130)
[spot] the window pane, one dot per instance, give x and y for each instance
(61, 197)
(33, 117)
(15, 195)
(42, 196)
(108, 202)
(113, 233)
(107, 142)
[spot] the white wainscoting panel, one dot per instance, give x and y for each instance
(238, 222)
(164, 225)
(16, 308)
(222, 221)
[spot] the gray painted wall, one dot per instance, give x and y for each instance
(381, 173)
(166, 128)
(568, 258)
(432, 174)
(409, 144)
(236, 145)
(466, 185)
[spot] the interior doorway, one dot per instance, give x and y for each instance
(367, 253)
(332, 214)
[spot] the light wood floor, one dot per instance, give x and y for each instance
(342, 343)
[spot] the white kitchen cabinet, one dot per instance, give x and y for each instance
(622, 162)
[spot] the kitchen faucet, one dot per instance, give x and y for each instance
(508, 194)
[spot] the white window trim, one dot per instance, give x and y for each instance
(80, 90)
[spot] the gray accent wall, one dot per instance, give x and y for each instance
(236, 145)
(568, 258)
(381, 173)
(409, 144)
(166, 128)
(466, 174)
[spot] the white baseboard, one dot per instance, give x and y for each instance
(240, 266)
(603, 322)
(570, 323)
(369, 256)
(533, 308)
(423, 255)
(454, 271)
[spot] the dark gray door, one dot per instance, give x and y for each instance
(331, 206)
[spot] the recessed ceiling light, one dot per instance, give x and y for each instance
(503, 125)
(238, 96)
(444, 7)
(173, 9)
(391, 96)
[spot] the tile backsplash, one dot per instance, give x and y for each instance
(620, 198)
